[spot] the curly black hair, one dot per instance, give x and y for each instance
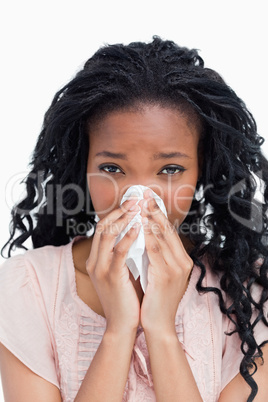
(161, 72)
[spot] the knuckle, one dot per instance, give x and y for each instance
(130, 233)
(99, 274)
(147, 227)
(89, 267)
(118, 228)
(155, 248)
(110, 231)
(189, 264)
(160, 236)
(124, 207)
(154, 227)
(154, 205)
(119, 251)
(171, 228)
(122, 217)
(105, 235)
(150, 217)
(99, 227)
(147, 230)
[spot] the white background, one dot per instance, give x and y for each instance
(45, 42)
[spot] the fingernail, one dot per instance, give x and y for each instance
(147, 193)
(136, 226)
(127, 203)
(145, 204)
(135, 208)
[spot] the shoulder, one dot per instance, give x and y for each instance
(28, 289)
(35, 274)
(34, 262)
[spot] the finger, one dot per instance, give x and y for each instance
(117, 223)
(109, 235)
(174, 257)
(123, 213)
(147, 193)
(155, 215)
(153, 247)
(157, 239)
(116, 213)
(121, 249)
(160, 254)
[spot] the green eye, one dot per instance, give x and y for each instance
(110, 168)
(171, 170)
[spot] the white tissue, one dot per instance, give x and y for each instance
(137, 259)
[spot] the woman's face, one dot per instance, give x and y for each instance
(154, 146)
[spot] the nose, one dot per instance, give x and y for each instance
(149, 186)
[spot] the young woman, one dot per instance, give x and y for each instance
(75, 325)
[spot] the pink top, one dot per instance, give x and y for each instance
(52, 331)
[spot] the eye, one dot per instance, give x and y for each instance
(110, 168)
(171, 170)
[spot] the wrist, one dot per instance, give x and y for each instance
(120, 334)
(122, 342)
(165, 336)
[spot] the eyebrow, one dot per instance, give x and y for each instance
(159, 155)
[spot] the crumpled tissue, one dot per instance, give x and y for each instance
(137, 258)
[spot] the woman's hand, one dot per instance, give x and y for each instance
(109, 273)
(168, 271)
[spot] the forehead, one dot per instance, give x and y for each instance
(155, 125)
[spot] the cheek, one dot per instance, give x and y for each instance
(180, 203)
(103, 194)
(183, 198)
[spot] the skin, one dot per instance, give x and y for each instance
(139, 135)
(104, 281)
(155, 128)
(170, 265)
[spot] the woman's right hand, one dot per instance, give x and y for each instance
(109, 273)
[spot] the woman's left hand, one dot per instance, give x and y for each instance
(168, 271)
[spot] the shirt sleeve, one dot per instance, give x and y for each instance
(24, 324)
